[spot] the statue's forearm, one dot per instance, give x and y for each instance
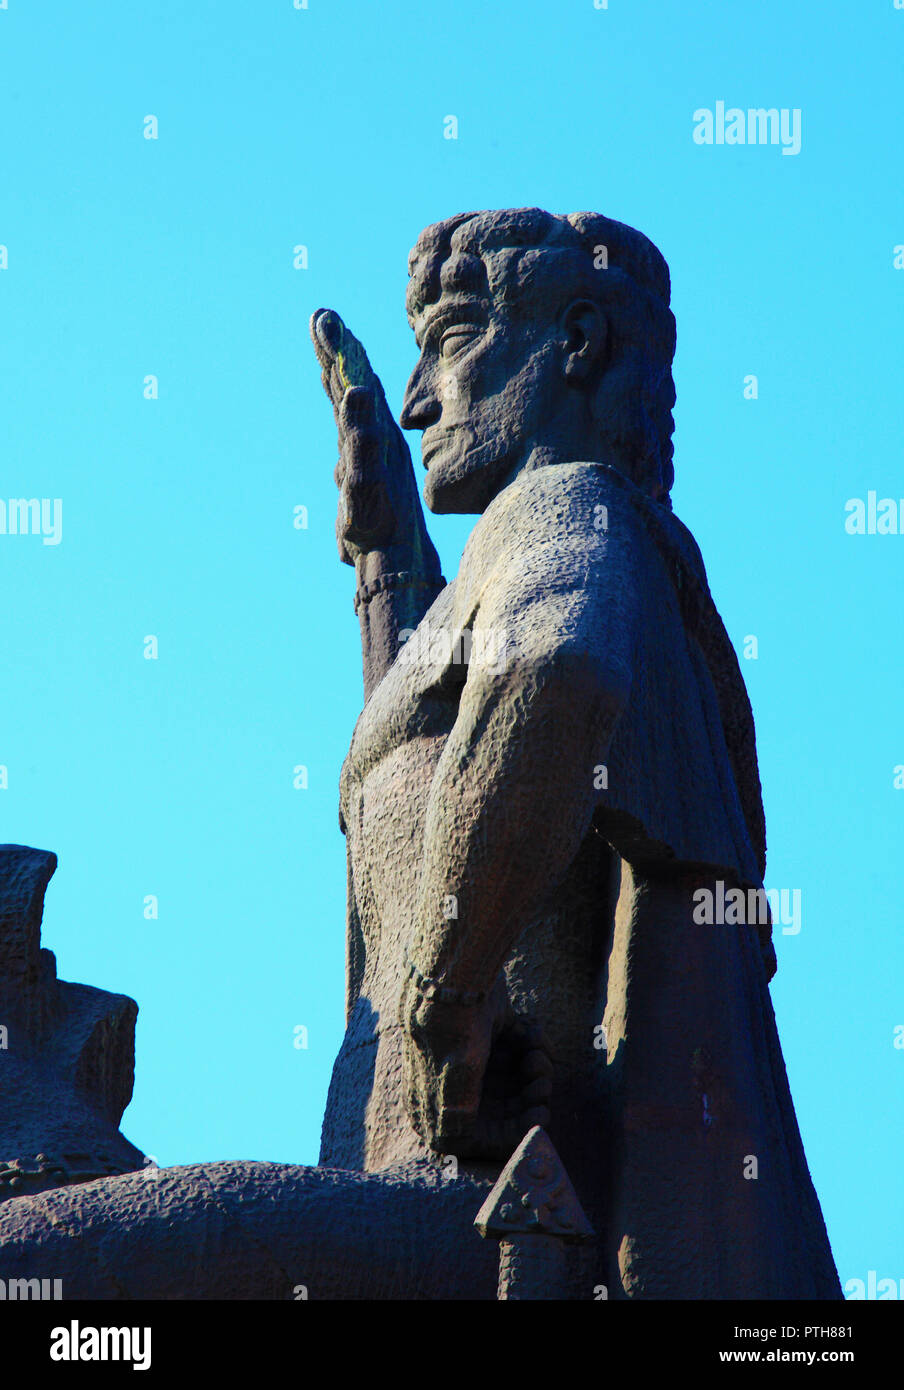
(511, 802)
(393, 593)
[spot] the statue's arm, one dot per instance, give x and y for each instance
(395, 587)
(513, 793)
(510, 804)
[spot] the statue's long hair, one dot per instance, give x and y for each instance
(533, 262)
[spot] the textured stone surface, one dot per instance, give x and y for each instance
(556, 752)
(67, 1064)
(533, 1269)
(255, 1230)
(533, 1196)
(504, 898)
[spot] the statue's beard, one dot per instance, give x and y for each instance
(465, 476)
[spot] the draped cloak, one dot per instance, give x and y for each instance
(681, 1135)
(710, 1194)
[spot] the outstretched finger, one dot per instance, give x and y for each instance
(362, 446)
(327, 331)
(358, 411)
(460, 1084)
(336, 346)
(326, 328)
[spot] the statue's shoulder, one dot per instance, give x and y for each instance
(592, 509)
(569, 486)
(561, 529)
(563, 509)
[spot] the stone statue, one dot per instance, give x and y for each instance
(67, 1052)
(555, 759)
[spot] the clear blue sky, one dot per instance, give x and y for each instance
(129, 257)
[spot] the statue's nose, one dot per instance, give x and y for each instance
(421, 406)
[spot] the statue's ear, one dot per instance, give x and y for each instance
(584, 332)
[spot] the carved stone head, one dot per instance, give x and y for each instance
(543, 339)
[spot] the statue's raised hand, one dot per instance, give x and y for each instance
(380, 509)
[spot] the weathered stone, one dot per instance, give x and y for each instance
(531, 1269)
(533, 1196)
(556, 753)
(534, 1213)
(67, 1059)
(255, 1231)
(558, 756)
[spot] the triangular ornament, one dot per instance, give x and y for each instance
(533, 1196)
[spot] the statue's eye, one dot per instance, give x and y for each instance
(454, 339)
